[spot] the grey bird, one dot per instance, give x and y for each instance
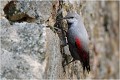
(78, 40)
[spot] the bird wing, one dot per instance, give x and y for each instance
(83, 54)
(81, 51)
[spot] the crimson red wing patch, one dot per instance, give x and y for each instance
(84, 56)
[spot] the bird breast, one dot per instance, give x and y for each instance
(77, 31)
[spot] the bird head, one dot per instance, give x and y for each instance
(72, 17)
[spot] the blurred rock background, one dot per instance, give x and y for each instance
(31, 41)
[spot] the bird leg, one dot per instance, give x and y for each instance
(69, 62)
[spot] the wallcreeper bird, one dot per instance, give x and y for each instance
(78, 39)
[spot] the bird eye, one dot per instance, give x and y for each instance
(71, 17)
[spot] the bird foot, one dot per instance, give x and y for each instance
(69, 62)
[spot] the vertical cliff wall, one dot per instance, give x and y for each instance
(31, 39)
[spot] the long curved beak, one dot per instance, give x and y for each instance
(65, 17)
(61, 19)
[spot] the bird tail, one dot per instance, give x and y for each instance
(86, 67)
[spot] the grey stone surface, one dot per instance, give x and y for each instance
(30, 50)
(30, 11)
(54, 69)
(22, 50)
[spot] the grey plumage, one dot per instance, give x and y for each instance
(77, 31)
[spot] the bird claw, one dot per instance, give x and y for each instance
(69, 62)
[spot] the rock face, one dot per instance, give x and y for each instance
(29, 52)
(31, 41)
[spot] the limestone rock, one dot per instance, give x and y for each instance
(27, 10)
(30, 50)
